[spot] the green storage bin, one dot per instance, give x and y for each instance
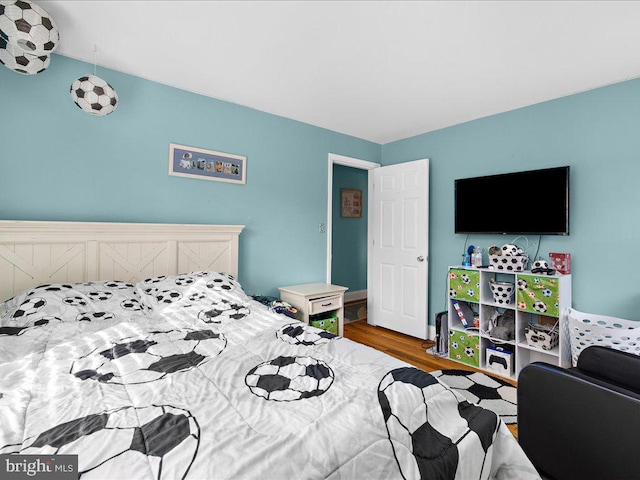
(328, 322)
(539, 294)
(464, 347)
(464, 284)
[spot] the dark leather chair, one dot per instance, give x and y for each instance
(582, 423)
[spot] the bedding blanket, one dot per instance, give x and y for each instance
(186, 377)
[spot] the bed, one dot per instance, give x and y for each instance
(135, 347)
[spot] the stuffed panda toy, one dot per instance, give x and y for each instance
(542, 266)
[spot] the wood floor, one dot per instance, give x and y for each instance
(403, 347)
(409, 349)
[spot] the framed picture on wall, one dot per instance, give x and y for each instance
(351, 203)
(204, 164)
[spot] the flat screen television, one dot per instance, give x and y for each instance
(535, 202)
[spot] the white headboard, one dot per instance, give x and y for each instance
(34, 253)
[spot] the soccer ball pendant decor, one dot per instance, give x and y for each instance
(28, 27)
(18, 61)
(93, 95)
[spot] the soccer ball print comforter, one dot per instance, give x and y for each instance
(186, 377)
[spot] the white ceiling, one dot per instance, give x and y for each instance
(378, 70)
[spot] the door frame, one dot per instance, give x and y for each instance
(335, 159)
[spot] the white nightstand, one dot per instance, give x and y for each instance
(313, 298)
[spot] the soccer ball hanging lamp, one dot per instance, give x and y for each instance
(94, 95)
(28, 27)
(18, 61)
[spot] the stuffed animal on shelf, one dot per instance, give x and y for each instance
(502, 326)
(542, 266)
(511, 250)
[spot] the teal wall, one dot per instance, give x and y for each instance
(58, 163)
(597, 134)
(349, 249)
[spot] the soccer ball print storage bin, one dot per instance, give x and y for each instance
(512, 263)
(542, 336)
(464, 347)
(327, 322)
(502, 292)
(538, 294)
(464, 284)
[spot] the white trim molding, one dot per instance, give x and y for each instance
(355, 295)
(431, 332)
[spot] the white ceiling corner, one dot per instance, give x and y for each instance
(377, 70)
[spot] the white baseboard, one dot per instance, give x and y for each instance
(355, 295)
(431, 332)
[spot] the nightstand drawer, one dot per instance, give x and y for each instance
(324, 304)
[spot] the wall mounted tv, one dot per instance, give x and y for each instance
(534, 202)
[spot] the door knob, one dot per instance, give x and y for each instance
(420, 258)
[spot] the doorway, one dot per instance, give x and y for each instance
(349, 231)
(348, 237)
(397, 243)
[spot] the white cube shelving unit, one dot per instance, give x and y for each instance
(538, 298)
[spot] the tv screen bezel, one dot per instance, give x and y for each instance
(565, 232)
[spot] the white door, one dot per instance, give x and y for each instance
(397, 290)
